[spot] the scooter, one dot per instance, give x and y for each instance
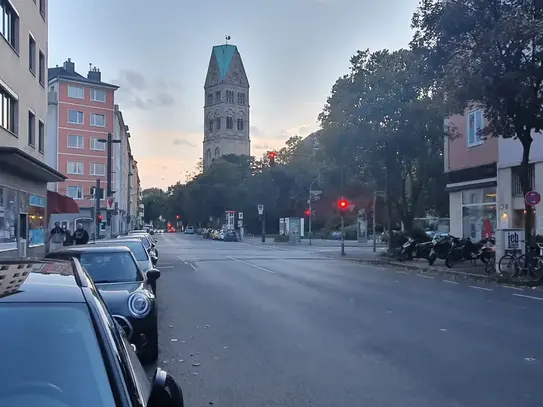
(413, 249)
(441, 246)
(466, 250)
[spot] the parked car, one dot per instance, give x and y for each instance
(127, 291)
(230, 235)
(146, 260)
(147, 240)
(63, 348)
(189, 230)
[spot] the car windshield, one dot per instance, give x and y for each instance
(51, 357)
(135, 247)
(144, 240)
(111, 267)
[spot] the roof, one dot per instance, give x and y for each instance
(57, 203)
(60, 73)
(224, 54)
(75, 250)
(39, 281)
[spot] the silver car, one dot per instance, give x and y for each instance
(146, 239)
(145, 260)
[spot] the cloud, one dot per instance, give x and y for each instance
(131, 79)
(183, 142)
(135, 92)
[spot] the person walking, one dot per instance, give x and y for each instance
(56, 237)
(80, 235)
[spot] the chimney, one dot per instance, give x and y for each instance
(69, 66)
(94, 75)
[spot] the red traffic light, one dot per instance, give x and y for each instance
(100, 217)
(343, 204)
(308, 213)
(177, 217)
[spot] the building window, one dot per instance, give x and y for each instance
(208, 156)
(516, 187)
(31, 129)
(210, 125)
(42, 8)
(475, 128)
(8, 218)
(75, 167)
(97, 145)
(76, 92)
(75, 141)
(8, 111)
(98, 169)
(478, 212)
(74, 192)
(209, 98)
(31, 54)
(217, 96)
(97, 120)
(98, 95)
(217, 152)
(241, 98)
(93, 190)
(75, 117)
(240, 124)
(41, 136)
(42, 68)
(36, 220)
(9, 24)
(230, 96)
(218, 123)
(229, 122)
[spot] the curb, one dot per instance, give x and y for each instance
(497, 279)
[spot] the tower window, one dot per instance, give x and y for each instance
(210, 98)
(230, 96)
(208, 156)
(241, 98)
(240, 124)
(218, 123)
(217, 96)
(217, 152)
(229, 122)
(210, 125)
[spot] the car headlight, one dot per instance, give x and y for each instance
(139, 305)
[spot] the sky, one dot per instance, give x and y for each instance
(158, 52)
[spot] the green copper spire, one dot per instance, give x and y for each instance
(223, 55)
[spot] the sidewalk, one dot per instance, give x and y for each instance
(315, 242)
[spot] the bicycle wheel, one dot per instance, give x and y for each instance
(508, 265)
(490, 265)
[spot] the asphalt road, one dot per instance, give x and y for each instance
(245, 325)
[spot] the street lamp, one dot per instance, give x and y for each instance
(109, 141)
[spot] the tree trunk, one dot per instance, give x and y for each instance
(389, 207)
(526, 184)
(408, 222)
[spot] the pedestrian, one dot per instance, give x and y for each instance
(56, 237)
(80, 235)
(69, 241)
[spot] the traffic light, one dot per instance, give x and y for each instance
(177, 217)
(271, 158)
(99, 218)
(343, 205)
(308, 213)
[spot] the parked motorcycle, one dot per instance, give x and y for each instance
(415, 249)
(466, 250)
(440, 248)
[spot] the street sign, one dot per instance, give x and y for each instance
(351, 207)
(110, 204)
(260, 209)
(532, 198)
(240, 223)
(315, 193)
(240, 215)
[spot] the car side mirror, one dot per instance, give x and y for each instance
(165, 391)
(153, 274)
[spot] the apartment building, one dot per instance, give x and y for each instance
(81, 114)
(122, 173)
(136, 213)
(483, 178)
(24, 173)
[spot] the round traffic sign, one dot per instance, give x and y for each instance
(532, 198)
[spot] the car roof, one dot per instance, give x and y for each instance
(119, 240)
(41, 281)
(93, 249)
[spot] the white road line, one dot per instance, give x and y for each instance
(166, 267)
(513, 288)
(450, 282)
(480, 288)
(252, 265)
(193, 267)
(528, 296)
(402, 272)
(423, 276)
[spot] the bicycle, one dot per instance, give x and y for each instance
(529, 264)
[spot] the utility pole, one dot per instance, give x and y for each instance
(309, 201)
(97, 196)
(375, 195)
(109, 171)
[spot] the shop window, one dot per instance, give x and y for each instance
(8, 218)
(36, 220)
(479, 216)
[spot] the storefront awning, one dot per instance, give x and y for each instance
(57, 203)
(17, 161)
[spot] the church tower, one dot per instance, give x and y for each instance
(226, 108)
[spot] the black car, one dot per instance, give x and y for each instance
(63, 348)
(127, 291)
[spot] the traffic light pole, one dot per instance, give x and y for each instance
(310, 208)
(342, 235)
(97, 196)
(263, 218)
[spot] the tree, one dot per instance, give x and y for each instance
(383, 124)
(156, 202)
(488, 53)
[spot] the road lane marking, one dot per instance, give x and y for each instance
(166, 267)
(480, 288)
(528, 296)
(193, 266)
(252, 265)
(402, 272)
(450, 282)
(423, 276)
(513, 288)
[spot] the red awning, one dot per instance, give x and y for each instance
(57, 203)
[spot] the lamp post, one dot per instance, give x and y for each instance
(109, 141)
(309, 201)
